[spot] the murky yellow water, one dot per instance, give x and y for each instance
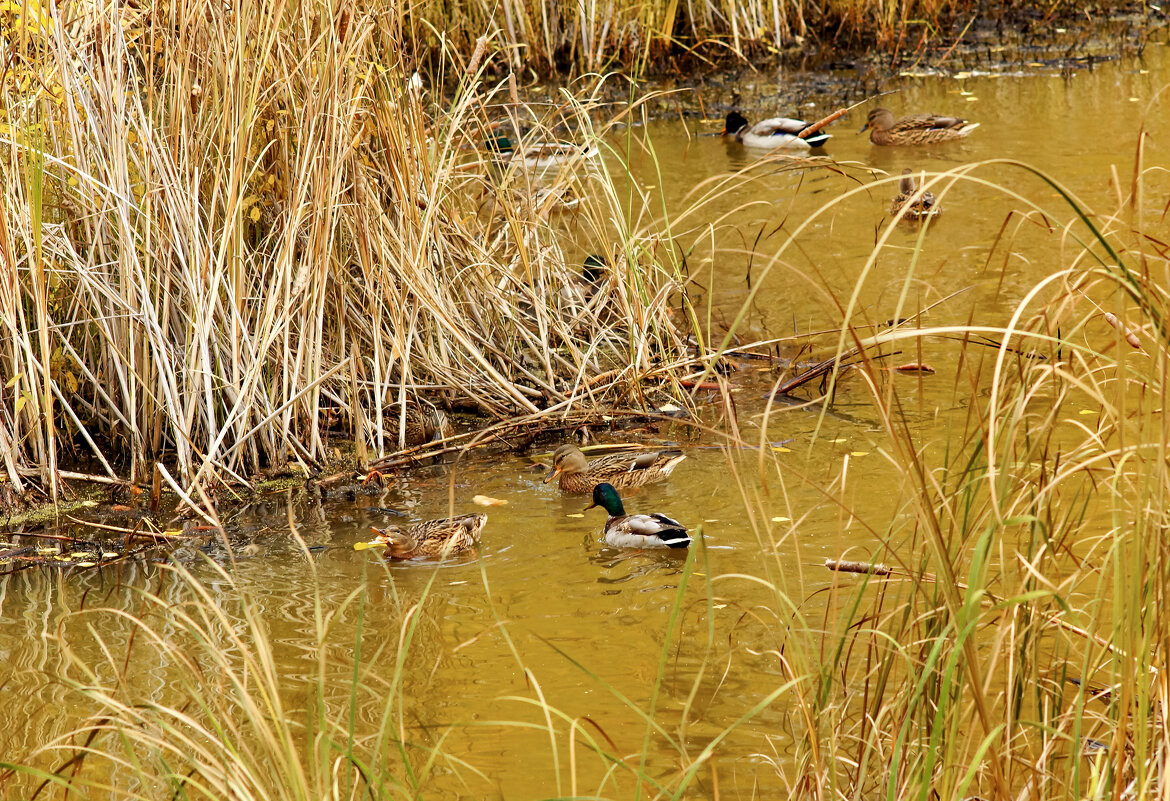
(499, 633)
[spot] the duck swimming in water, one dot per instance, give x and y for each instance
(637, 531)
(624, 470)
(773, 133)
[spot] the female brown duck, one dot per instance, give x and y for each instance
(623, 470)
(432, 539)
(920, 129)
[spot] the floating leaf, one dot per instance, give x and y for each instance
(110, 555)
(487, 500)
(89, 504)
(82, 555)
(365, 546)
(914, 367)
(87, 564)
(45, 550)
(577, 514)
(781, 449)
(859, 453)
(780, 519)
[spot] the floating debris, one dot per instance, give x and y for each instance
(1130, 336)
(915, 367)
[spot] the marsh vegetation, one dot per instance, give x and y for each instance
(233, 235)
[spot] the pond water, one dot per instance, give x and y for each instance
(547, 611)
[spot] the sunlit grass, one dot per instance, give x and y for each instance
(217, 225)
(218, 231)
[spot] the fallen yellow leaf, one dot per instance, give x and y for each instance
(487, 500)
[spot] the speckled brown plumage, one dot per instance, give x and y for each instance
(910, 207)
(622, 470)
(920, 129)
(433, 538)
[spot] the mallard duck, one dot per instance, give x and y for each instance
(910, 207)
(432, 538)
(772, 133)
(424, 423)
(540, 154)
(624, 470)
(580, 289)
(920, 129)
(637, 531)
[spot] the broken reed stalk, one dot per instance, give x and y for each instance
(821, 123)
(873, 568)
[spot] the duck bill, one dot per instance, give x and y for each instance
(591, 506)
(864, 128)
(556, 471)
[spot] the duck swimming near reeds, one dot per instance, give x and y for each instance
(432, 539)
(579, 476)
(919, 129)
(424, 423)
(773, 133)
(539, 154)
(637, 531)
(910, 207)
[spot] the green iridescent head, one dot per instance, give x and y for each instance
(605, 496)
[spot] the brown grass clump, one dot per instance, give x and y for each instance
(219, 221)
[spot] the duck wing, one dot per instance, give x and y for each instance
(787, 127)
(618, 464)
(777, 126)
(928, 122)
(658, 529)
(449, 535)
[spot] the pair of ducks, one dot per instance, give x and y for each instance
(883, 127)
(601, 477)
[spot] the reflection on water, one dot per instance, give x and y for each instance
(546, 611)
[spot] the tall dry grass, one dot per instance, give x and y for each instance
(1025, 552)
(1014, 641)
(220, 221)
(595, 36)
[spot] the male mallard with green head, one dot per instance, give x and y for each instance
(772, 133)
(432, 538)
(920, 129)
(637, 531)
(624, 470)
